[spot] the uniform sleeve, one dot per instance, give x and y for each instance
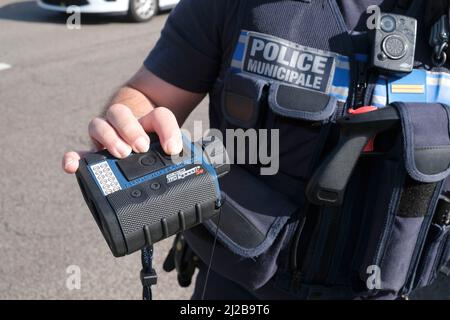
(188, 53)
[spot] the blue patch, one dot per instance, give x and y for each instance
(438, 87)
(341, 78)
(410, 88)
(418, 86)
(239, 51)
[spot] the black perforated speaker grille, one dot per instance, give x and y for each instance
(151, 207)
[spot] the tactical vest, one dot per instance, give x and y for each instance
(293, 66)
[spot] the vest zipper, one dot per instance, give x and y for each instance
(329, 247)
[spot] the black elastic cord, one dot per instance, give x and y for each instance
(148, 274)
(212, 255)
(146, 293)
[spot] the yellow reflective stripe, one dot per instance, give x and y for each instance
(408, 88)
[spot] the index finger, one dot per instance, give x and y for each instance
(127, 126)
(162, 121)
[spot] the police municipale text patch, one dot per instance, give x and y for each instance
(278, 59)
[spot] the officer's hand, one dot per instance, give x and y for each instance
(120, 133)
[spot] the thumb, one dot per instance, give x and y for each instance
(70, 160)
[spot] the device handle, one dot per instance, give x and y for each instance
(327, 185)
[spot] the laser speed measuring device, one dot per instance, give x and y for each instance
(146, 197)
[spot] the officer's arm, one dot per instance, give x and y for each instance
(145, 91)
(145, 104)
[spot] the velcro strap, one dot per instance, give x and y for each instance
(294, 102)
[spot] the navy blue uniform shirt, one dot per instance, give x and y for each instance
(199, 32)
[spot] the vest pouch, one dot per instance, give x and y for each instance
(402, 243)
(260, 214)
(303, 119)
(298, 115)
(387, 266)
(437, 246)
(379, 230)
(303, 104)
(243, 98)
(434, 255)
(253, 230)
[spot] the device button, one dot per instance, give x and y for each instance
(148, 160)
(155, 186)
(136, 193)
(184, 155)
(139, 165)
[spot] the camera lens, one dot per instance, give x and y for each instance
(388, 23)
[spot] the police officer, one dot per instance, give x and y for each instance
(307, 44)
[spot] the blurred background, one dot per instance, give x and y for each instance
(53, 80)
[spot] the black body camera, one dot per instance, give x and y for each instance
(394, 43)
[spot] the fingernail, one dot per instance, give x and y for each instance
(68, 163)
(123, 149)
(141, 144)
(174, 146)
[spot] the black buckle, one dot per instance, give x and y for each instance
(148, 278)
(439, 41)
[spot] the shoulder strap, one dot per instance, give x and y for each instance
(434, 10)
(403, 4)
(410, 7)
(242, 10)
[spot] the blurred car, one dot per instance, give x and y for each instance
(138, 10)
